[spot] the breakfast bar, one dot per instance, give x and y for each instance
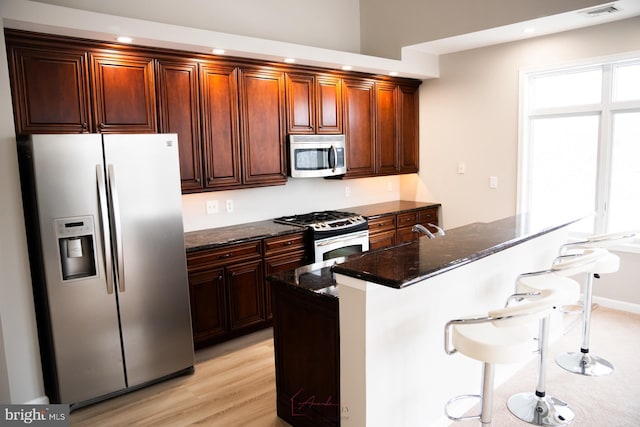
(392, 305)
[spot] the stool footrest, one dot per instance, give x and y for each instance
(457, 399)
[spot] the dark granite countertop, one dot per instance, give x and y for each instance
(215, 237)
(388, 208)
(410, 263)
(314, 278)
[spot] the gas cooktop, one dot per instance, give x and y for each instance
(326, 220)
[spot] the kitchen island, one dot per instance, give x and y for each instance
(393, 305)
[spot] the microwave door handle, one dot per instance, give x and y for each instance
(335, 158)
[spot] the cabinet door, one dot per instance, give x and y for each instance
(328, 104)
(262, 127)
(245, 289)
(178, 112)
(408, 129)
(220, 131)
(124, 93)
(300, 99)
(280, 263)
(50, 90)
(208, 309)
(359, 131)
(386, 129)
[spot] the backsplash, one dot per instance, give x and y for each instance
(299, 195)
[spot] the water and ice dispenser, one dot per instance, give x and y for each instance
(77, 247)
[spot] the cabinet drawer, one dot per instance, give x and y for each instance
(384, 239)
(283, 244)
(406, 219)
(223, 256)
(382, 224)
(429, 215)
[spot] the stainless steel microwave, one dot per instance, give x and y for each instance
(312, 156)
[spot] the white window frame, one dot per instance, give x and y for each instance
(605, 110)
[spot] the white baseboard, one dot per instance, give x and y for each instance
(617, 305)
(42, 400)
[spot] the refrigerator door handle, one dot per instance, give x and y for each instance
(117, 235)
(104, 218)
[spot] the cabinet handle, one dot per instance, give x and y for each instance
(227, 255)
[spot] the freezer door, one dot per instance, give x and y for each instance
(144, 180)
(83, 314)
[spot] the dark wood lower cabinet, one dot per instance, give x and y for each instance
(208, 306)
(307, 354)
(245, 288)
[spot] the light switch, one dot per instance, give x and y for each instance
(493, 182)
(462, 168)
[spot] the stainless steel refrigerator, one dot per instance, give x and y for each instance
(106, 245)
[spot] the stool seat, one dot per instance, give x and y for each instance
(488, 343)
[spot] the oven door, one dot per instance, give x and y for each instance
(343, 245)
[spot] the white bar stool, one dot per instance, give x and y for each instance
(502, 336)
(537, 407)
(583, 362)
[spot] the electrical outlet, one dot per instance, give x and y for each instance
(212, 207)
(389, 186)
(229, 205)
(493, 182)
(347, 191)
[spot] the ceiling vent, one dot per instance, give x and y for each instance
(600, 10)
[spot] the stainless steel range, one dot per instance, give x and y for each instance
(335, 233)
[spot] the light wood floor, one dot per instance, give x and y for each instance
(233, 385)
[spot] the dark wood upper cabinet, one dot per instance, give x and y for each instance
(408, 120)
(50, 89)
(124, 93)
(359, 127)
(179, 112)
(386, 129)
(220, 129)
(262, 127)
(301, 108)
(329, 104)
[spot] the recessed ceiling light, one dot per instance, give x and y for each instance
(218, 51)
(124, 39)
(393, 73)
(289, 60)
(529, 30)
(347, 67)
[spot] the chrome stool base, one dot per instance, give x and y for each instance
(584, 364)
(540, 411)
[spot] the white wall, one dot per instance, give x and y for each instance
(470, 115)
(299, 195)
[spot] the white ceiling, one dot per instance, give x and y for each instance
(542, 26)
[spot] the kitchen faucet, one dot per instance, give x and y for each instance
(422, 229)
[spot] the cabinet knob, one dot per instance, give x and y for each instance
(209, 179)
(84, 125)
(197, 180)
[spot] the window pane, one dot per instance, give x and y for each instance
(626, 82)
(564, 163)
(574, 88)
(624, 203)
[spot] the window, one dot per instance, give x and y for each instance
(580, 144)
